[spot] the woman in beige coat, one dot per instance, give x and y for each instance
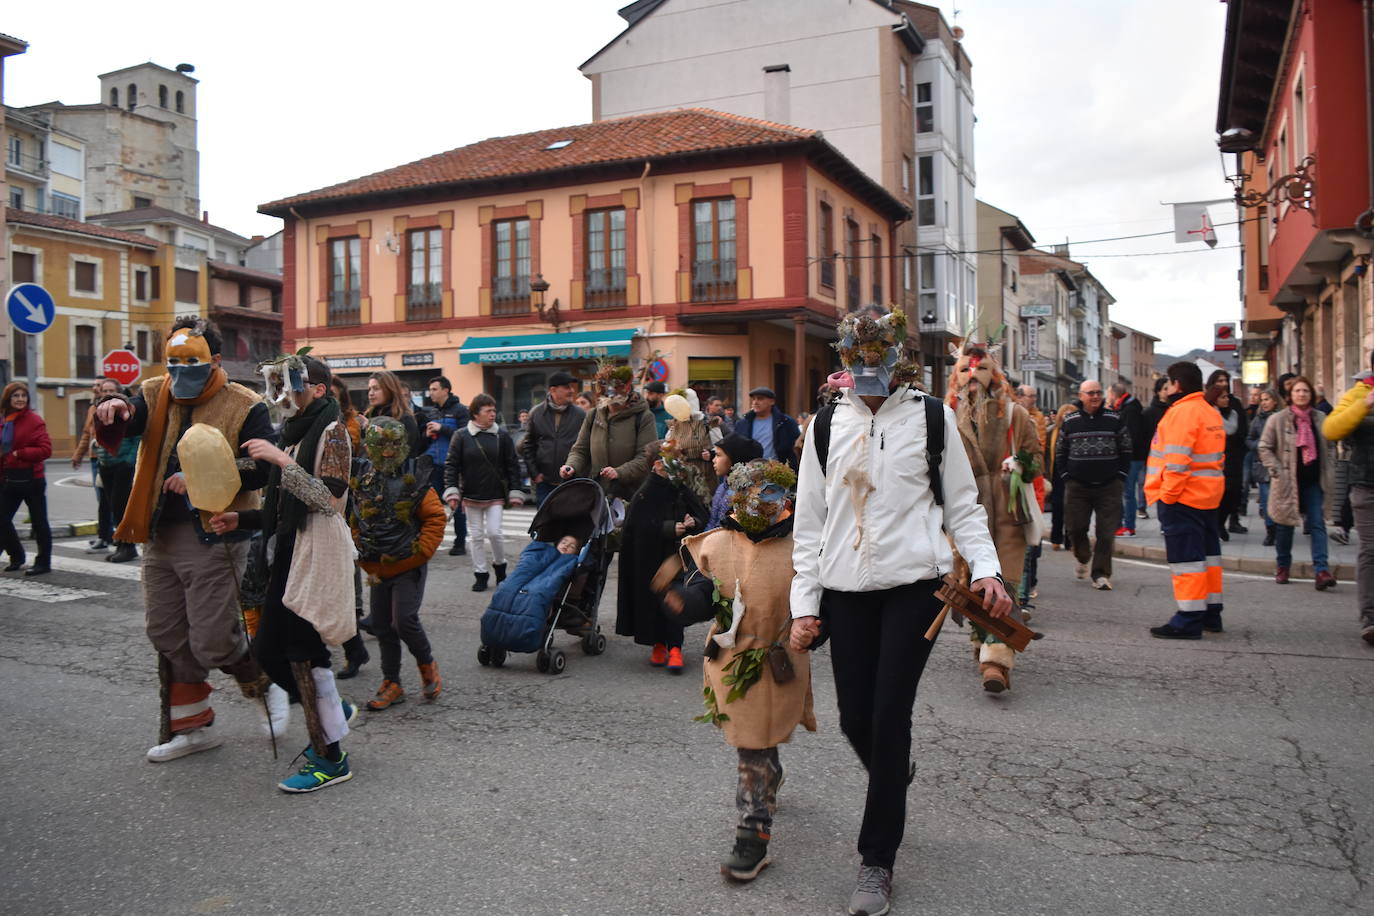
(1301, 470)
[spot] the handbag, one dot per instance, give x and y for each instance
(506, 500)
(319, 585)
(1034, 524)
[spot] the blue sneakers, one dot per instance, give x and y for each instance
(350, 712)
(316, 774)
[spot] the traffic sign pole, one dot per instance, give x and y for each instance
(31, 362)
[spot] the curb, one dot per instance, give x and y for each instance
(1342, 571)
(67, 530)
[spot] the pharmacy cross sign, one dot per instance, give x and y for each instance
(1206, 231)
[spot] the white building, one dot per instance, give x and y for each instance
(888, 83)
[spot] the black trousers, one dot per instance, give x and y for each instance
(31, 493)
(283, 636)
(116, 480)
(395, 604)
(878, 651)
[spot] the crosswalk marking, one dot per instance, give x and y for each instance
(130, 572)
(44, 591)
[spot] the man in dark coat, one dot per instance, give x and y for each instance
(772, 429)
(1133, 418)
(553, 430)
(446, 417)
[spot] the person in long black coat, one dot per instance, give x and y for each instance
(662, 512)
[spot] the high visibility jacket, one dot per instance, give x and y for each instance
(1186, 455)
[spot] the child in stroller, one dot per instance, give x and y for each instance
(556, 584)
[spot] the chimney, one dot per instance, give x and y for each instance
(777, 93)
(205, 216)
(1062, 249)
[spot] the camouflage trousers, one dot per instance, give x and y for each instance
(756, 798)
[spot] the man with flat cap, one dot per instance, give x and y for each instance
(774, 431)
(654, 393)
(553, 429)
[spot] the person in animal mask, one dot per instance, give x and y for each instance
(398, 523)
(309, 477)
(1001, 441)
(189, 571)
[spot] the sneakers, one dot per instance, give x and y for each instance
(389, 694)
(429, 676)
(1142, 512)
(674, 660)
(278, 715)
(658, 656)
(872, 892)
(1339, 535)
(1281, 575)
(1102, 584)
(1124, 532)
(1172, 632)
(317, 773)
(748, 858)
(192, 742)
(1325, 580)
(1080, 570)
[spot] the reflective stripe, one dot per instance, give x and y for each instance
(1214, 598)
(1156, 453)
(1177, 468)
(1181, 569)
(1207, 472)
(1214, 561)
(1192, 605)
(1209, 456)
(1180, 449)
(1152, 472)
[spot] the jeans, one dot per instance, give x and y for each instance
(1128, 498)
(31, 493)
(878, 651)
(542, 491)
(1310, 504)
(117, 480)
(1362, 501)
(1030, 572)
(105, 522)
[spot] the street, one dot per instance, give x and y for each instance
(1121, 774)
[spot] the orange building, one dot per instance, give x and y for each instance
(702, 245)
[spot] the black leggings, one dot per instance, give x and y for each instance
(284, 636)
(878, 651)
(31, 493)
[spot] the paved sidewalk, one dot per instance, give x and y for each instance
(1245, 552)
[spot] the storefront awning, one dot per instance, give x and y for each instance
(535, 348)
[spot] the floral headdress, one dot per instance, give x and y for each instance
(870, 347)
(614, 383)
(757, 491)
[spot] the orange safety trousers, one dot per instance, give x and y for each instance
(1192, 541)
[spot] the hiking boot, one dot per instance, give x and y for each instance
(658, 656)
(389, 694)
(123, 554)
(1102, 584)
(872, 892)
(458, 549)
(500, 570)
(1168, 631)
(1237, 528)
(1080, 570)
(191, 742)
(995, 677)
(317, 773)
(674, 660)
(1325, 580)
(429, 675)
(748, 858)
(1281, 575)
(479, 581)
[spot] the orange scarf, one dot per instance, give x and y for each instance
(138, 517)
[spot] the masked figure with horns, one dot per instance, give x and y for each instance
(1002, 443)
(190, 573)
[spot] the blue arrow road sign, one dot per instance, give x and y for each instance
(30, 308)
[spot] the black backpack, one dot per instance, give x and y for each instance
(935, 441)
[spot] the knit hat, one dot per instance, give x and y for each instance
(740, 448)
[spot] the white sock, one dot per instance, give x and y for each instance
(330, 706)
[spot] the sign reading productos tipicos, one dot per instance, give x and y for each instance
(539, 354)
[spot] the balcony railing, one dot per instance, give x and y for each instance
(424, 302)
(345, 307)
(605, 288)
(828, 272)
(714, 281)
(510, 295)
(851, 293)
(27, 163)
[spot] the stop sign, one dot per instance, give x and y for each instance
(122, 366)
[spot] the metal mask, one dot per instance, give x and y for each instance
(386, 444)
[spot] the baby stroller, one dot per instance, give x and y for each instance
(549, 591)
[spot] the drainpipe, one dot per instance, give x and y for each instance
(1365, 221)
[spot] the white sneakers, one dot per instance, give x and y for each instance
(1080, 570)
(192, 742)
(278, 711)
(1102, 583)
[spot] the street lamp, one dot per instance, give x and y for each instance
(538, 287)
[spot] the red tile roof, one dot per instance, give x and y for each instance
(46, 221)
(636, 138)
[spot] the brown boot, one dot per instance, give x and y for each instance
(434, 684)
(389, 694)
(995, 677)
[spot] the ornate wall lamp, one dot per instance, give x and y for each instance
(1297, 189)
(538, 287)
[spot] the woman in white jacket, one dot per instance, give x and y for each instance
(870, 549)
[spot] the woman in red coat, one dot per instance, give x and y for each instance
(24, 446)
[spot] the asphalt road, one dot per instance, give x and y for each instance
(1122, 774)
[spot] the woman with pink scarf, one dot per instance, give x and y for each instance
(1301, 478)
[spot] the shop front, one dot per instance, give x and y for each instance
(516, 367)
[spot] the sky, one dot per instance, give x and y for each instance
(1090, 113)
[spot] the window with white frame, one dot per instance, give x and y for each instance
(926, 279)
(64, 205)
(906, 174)
(16, 151)
(902, 82)
(141, 284)
(925, 109)
(925, 191)
(16, 197)
(1299, 120)
(84, 277)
